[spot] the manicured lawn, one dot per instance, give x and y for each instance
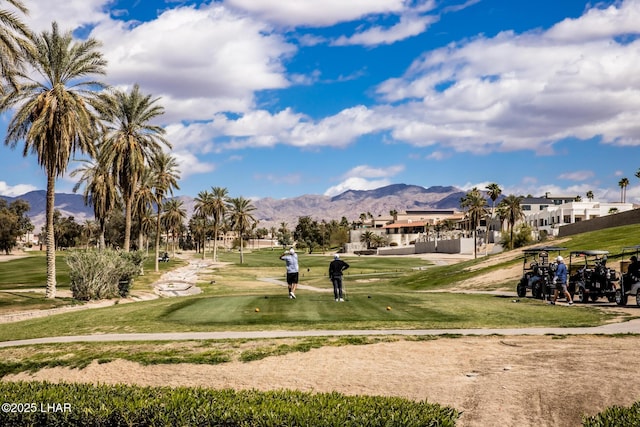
(309, 311)
(31, 272)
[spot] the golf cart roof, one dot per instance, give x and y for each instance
(589, 253)
(631, 248)
(543, 249)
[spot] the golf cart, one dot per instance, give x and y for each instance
(629, 284)
(537, 271)
(589, 276)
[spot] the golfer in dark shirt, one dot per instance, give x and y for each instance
(336, 268)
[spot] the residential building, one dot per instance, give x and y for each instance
(546, 219)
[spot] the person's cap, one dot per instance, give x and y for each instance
(559, 259)
(292, 251)
(336, 256)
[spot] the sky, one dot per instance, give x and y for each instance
(291, 97)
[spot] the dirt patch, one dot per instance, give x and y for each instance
(522, 380)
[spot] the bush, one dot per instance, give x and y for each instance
(102, 274)
(120, 405)
(615, 416)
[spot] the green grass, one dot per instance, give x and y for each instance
(31, 272)
(372, 284)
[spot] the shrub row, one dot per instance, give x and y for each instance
(121, 405)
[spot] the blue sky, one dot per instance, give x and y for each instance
(291, 97)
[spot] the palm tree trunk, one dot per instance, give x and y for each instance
(127, 224)
(157, 268)
(215, 244)
(51, 252)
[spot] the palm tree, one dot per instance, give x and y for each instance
(623, 189)
(367, 238)
(204, 208)
(54, 117)
(15, 39)
(272, 232)
(590, 195)
(165, 175)
(173, 218)
(511, 210)
(394, 214)
(475, 205)
(131, 142)
(219, 205)
(142, 202)
(241, 218)
(100, 192)
(493, 191)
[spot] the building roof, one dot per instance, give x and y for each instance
(406, 224)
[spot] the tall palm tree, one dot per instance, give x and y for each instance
(173, 218)
(219, 204)
(100, 192)
(131, 143)
(493, 191)
(241, 218)
(165, 175)
(54, 117)
(204, 207)
(146, 220)
(590, 195)
(511, 210)
(142, 202)
(475, 205)
(623, 189)
(15, 40)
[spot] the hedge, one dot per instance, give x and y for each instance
(49, 404)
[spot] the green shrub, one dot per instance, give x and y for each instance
(102, 274)
(615, 416)
(106, 405)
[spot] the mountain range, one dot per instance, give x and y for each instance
(272, 212)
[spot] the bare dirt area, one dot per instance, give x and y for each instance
(507, 381)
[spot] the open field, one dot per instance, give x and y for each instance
(500, 379)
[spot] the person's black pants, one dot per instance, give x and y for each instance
(337, 287)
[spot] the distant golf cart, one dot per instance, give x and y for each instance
(537, 271)
(589, 276)
(629, 285)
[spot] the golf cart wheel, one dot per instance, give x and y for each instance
(521, 290)
(583, 297)
(621, 299)
(594, 297)
(638, 298)
(611, 298)
(536, 291)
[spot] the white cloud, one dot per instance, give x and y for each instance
(316, 13)
(577, 175)
(356, 184)
(515, 92)
(15, 190)
(365, 177)
(408, 26)
(73, 14)
(200, 61)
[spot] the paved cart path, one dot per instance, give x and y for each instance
(629, 327)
